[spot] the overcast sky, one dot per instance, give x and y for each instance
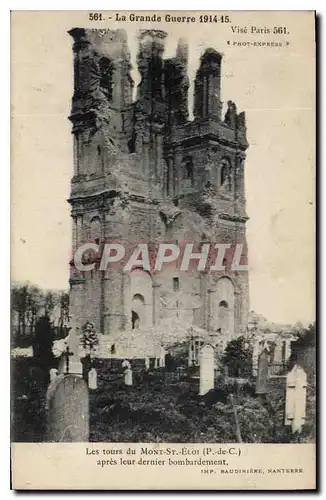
(273, 85)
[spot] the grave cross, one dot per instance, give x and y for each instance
(66, 355)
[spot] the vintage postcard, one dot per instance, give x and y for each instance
(163, 250)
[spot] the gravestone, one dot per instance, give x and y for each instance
(206, 369)
(295, 403)
(162, 357)
(255, 354)
(262, 372)
(92, 379)
(87, 366)
(128, 376)
(67, 407)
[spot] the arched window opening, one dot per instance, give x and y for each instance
(106, 77)
(225, 175)
(95, 231)
(188, 172)
(223, 316)
(132, 143)
(100, 158)
(176, 284)
(138, 311)
(222, 307)
(139, 298)
(134, 320)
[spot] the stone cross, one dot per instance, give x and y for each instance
(53, 374)
(295, 403)
(263, 372)
(126, 364)
(206, 370)
(66, 355)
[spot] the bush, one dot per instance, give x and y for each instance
(238, 357)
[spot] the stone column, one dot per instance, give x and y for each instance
(76, 154)
(204, 300)
(117, 97)
(239, 180)
(156, 302)
(127, 306)
(159, 157)
(74, 235)
(237, 313)
(113, 301)
(80, 239)
(205, 96)
(75, 365)
(209, 313)
(169, 177)
(178, 173)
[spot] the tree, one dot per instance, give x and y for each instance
(28, 303)
(19, 306)
(303, 351)
(237, 357)
(26, 300)
(43, 342)
(34, 304)
(51, 298)
(306, 337)
(89, 339)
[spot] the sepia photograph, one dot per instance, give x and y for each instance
(163, 244)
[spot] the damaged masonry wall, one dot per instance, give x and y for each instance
(144, 172)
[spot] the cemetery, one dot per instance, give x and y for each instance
(81, 397)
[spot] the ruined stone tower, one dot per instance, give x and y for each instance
(144, 172)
